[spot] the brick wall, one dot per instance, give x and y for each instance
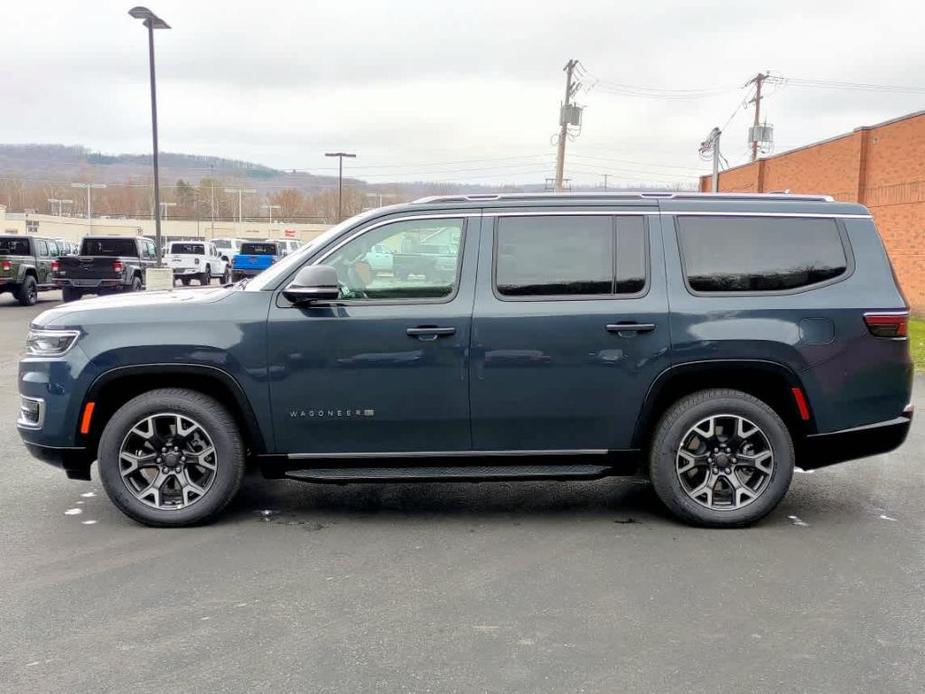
(881, 166)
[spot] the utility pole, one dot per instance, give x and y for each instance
(711, 146)
(757, 80)
(240, 192)
(605, 180)
(340, 180)
(88, 187)
(212, 201)
(164, 206)
(566, 118)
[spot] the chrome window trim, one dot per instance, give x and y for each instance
(702, 213)
(573, 213)
(444, 454)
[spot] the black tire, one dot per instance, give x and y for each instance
(28, 292)
(205, 277)
(215, 420)
(69, 294)
(677, 423)
(136, 284)
(186, 281)
(226, 276)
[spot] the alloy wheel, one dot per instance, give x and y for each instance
(724, 462)
(168, 461)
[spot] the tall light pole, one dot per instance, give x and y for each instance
(60, 204)
(152, 22)
(240, 192)
(88, 187)
(269, 208)
(340, 179)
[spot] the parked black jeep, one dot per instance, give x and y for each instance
(106, 264)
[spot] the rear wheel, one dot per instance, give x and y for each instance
(186, 281)
(171, 457)
(721, 458)
(28, 292)
(205, 277)
(136, 284)
(69, 294)
(226, 276)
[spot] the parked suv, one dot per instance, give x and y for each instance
(713, 342)
(198, 260)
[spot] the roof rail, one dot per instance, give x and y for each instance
(653, 195)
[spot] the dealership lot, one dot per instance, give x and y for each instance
(459, 587)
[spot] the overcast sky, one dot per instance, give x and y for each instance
(454, 91)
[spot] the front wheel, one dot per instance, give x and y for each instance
(226, 276)
(171, 457)
(721, 458)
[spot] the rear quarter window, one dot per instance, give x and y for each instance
(15, 247)
(760, 254)
(188, 248)
(109, 247)
(258, 249)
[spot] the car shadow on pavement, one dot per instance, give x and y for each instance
(624, 499)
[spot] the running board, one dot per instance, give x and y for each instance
(473, 473)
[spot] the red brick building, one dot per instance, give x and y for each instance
(881, 166)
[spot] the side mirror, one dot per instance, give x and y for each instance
(313, 283)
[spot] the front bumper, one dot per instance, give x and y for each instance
(75, 462)
(820, 450)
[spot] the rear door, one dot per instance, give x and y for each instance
(45, 252)
(570, 327)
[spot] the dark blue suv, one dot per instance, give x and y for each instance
(714, 342)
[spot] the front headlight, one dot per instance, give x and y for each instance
(50, 343)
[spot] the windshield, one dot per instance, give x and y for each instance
(14, 247)
(188, 248)
(269, 277)
(108, 247)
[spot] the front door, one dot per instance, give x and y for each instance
(385, 368)
(570, 328)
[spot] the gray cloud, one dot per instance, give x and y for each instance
(436, 82)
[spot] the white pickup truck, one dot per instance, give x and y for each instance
(198, 260)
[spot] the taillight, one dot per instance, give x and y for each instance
(117, 266)
(6, 266)
(895, 324)
(54, 265)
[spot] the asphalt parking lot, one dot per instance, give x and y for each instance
(497, 587)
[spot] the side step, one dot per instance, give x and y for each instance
(474, 473)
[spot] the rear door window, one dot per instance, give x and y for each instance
(570, 256)
(760, 254)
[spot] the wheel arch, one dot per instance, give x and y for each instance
(769, 381)
(113, 388)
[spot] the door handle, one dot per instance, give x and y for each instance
(428, 334)
(630, 327)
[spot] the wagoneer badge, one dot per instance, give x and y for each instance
(331, 414)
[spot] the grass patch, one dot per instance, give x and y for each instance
(917, 342)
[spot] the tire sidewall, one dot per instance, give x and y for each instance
(28, 292)
(663, 469)
(217, 423)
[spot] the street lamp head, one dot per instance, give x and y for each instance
(150, 19)
(340, 154)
